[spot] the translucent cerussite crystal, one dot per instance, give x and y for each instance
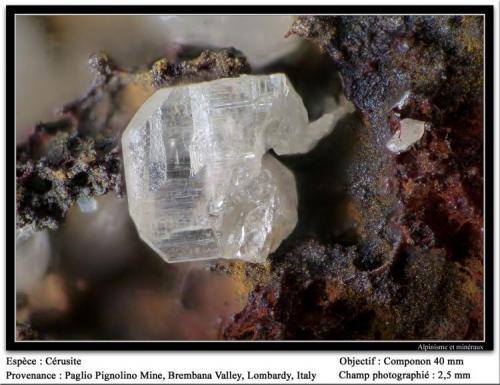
(199, 182)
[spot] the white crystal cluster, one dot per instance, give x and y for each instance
(200, 183)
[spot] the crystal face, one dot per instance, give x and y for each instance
(410, 132)
(199, 182)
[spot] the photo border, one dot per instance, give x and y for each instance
(485, 345)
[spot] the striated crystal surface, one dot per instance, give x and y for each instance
(199, 182)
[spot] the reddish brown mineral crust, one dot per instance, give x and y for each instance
(261, 302)
(209, 65)
(414, 268)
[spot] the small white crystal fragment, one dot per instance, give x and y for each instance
(24, 233)
(402, 100)
(199, 182)
(410, 132)
(86, 205)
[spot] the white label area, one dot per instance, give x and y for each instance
(250, 368)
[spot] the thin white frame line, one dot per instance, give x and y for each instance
(433, 342)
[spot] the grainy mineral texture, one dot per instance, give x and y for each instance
(410, 265)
